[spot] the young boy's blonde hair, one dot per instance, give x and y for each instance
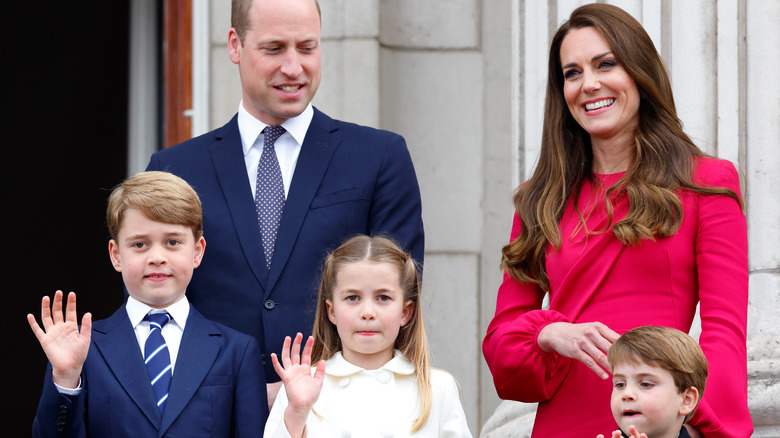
(411, 341)
(665, 348)
(160, 196)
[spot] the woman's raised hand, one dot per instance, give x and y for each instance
(586, 342)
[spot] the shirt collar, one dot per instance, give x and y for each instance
(337, 366)
(179, 311)
(250, 127)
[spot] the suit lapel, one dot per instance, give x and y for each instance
(228, 158)
(200, 345)
(318, 147)
(116, 341)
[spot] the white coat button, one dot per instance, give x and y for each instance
(383, 377)
(344, 382)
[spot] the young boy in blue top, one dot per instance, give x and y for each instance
(209, 381)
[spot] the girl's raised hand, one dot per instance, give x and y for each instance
(302, 388)
(615, 434)
(65, 347)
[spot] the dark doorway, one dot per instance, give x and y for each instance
(65, 107)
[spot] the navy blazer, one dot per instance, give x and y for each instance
(348, 180)
(217, 388)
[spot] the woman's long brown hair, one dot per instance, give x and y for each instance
(663, 161)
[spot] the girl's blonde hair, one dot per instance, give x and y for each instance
(411, 341)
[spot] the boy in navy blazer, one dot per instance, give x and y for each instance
(97, 383)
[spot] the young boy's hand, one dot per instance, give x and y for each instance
(301, 387)
(632, 433)
(60, 339)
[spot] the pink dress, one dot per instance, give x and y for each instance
(652, 283)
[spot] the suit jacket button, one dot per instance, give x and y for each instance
(269, 304)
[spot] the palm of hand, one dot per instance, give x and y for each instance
(65, 346)
(302, 388)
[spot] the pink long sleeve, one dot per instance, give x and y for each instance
(521, 370)
(721, 261)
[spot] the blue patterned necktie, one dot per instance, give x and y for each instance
(158, 360)
(269, 193)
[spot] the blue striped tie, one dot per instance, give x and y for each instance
(158, 360)
(269, 193)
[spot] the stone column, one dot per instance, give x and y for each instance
(763, 212)
(432, 93)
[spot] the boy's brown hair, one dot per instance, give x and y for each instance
(665, 348)
(160, 196)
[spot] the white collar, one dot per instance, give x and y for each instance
(179, 311)
(250, 127)
(337, 366)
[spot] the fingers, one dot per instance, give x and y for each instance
(295, 352)
(46, 313)
(592, 364)
(70, 308)
(286, 351)
(617, 434)
(306, 359)
(634, 433)
(37, 330)
(86, 327)
(56, 307)
(277, 366)
(319, 373)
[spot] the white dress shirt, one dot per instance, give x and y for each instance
(356, 402)
(287, 147)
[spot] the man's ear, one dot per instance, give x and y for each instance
(688, 400)
(234, 46)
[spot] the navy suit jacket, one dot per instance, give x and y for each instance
(217, 387)
(348, 180)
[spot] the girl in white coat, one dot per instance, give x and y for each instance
(372, 376)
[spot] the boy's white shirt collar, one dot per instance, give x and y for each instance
(137, 310)
(250, 127)
(337, 366)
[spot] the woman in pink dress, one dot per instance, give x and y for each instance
(624, 222)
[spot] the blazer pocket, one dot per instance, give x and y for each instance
(347, 195)
(218, 380)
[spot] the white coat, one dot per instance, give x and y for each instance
(356, 402)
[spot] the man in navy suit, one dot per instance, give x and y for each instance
(203, 379)
(339, 178)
